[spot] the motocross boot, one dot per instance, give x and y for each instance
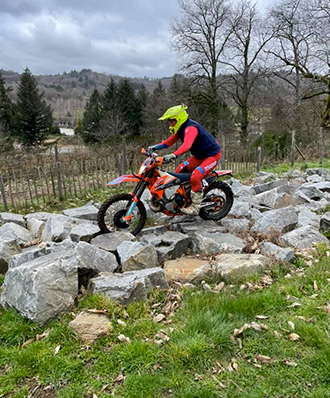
(193, 209)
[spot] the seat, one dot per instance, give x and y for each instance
(183, 177)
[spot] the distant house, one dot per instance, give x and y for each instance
(66, 131)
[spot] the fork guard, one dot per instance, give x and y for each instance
(125, 178)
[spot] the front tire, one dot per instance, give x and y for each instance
(221, 194)
(111, 213)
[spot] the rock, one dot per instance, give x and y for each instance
(209, 244)
(279, 220)
(57, 228)
(279, 253)
(235, 225)
(90, 327)
(308, 217)
(93, 258)
(7, 249)
(135, 256)
(277, 198)
(240, 209)
(187, 269)
(84, 232)
(311, 192)
(190, 228)
(240, 265)
(169, 246)
(36, 227)
(323, 186)
(111, 241)
(157, 230)
(324, 173)
(129, 286)
(87, 212)
(325, 222)
(12, 218)
(43, 288)
(11, 231)
(268, 186)
(41, 216)
(26, 255)
(314, 178)
(303, 237)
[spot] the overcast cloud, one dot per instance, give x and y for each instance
(124, 37)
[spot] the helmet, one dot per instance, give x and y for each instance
(177, 113)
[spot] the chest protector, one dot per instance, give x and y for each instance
(205, 145)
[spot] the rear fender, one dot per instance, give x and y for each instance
(221, 173)
(125, 178)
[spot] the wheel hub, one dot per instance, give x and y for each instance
(118, 219)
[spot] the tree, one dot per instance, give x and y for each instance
(6, 107)
(110, 96)
(244, 64)
(201, 36)
(34, 115)
(92, 118)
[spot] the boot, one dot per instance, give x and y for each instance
(193, 209)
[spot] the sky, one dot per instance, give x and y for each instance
(121, 37)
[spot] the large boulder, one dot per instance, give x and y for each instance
(7, 249)
(279, 220)
(269, 185)
(187, 269)
(11, 217)
(58, 228)
(279, 253)
(43, 288)
(325, 222)
(129, 286)
(208, 244)
(11, 231)
(277, 198)
(236, 225)
(36, 227)
(92, 258)
(308, 217)
(135, 256)
(303, 237)
(240, 265)
(311, 192)
(84, 232)
(87, 212)
(169, 246)
(322, 172)
(111, 241)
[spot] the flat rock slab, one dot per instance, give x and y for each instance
(11, 217)
(269, 185)
(87, 212)
(39, 215)
(11, 231)
(279, 220)
(240, 265)
(43, 288)
(84, 232)
(90, 327)
(93, 258)
(187, 269)
(135, 256)
(303, 237)
(129, 286)
(236, 225)
(112, 240)
(213, 243)
(157, 230)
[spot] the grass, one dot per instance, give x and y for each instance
(201, 359)
(285, 167)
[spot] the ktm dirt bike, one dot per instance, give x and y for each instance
(170, 192)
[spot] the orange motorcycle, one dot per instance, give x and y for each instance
(170, 192)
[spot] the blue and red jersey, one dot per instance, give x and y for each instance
(195, 138)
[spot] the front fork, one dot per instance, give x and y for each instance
(141, 186)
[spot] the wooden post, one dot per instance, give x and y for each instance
(258, 158)
(58, 174)
(293, 145)
(223, 152)
(321, 146)
(124, 160)
(262, 143)
(3, 193)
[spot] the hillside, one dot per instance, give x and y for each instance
(68, 92)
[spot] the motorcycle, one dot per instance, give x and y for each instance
(170, 192)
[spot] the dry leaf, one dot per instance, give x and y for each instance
(124, 339)
(159, 318)
(121, 323)
(24, 345)
(291, 325)
(315, 286)
(266, 280)
(57, 349)
(263, 359)
(95, 396)
(277, 334)
(290, 363)
(206, 286)
(241, 330)
(162, 335)
(43, 335)
(120, 378)
(302, 318)
(156, 305)
(261, 317)
(294, 305)
(294, 336)
(95, 311)
(233, 366)
(327, 309)
(219, 286)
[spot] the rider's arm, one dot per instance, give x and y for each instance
(168, 142)
(190, 134)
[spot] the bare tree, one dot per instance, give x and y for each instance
(302, 45)
(113, 125)
(201, 37)
(245, 65)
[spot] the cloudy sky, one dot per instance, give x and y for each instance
(125, 37)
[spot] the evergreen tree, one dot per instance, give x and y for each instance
(143, 96)
(92, 118)
(110, 100)
(129, 105)
(6, 106)
(34, 115)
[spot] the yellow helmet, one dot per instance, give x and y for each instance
(177, 113)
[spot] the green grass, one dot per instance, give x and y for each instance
(285, 167)
(195, 361)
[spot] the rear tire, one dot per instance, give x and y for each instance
(226, 200)
(109, 216)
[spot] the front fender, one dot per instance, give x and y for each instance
(125, 178)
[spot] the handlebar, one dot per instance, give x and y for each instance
(154, 155)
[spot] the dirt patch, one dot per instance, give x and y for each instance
(41, 391)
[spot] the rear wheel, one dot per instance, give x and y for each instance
(217, 202)
(110, 217)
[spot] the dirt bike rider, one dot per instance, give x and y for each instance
(201, 144)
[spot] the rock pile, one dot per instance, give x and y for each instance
(47, 258)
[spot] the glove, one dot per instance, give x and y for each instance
(152, 148)
(169, 158)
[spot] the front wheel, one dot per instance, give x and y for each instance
(110, 217)
(217, 202)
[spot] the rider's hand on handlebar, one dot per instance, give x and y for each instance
(152, 148)
(169, 158)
